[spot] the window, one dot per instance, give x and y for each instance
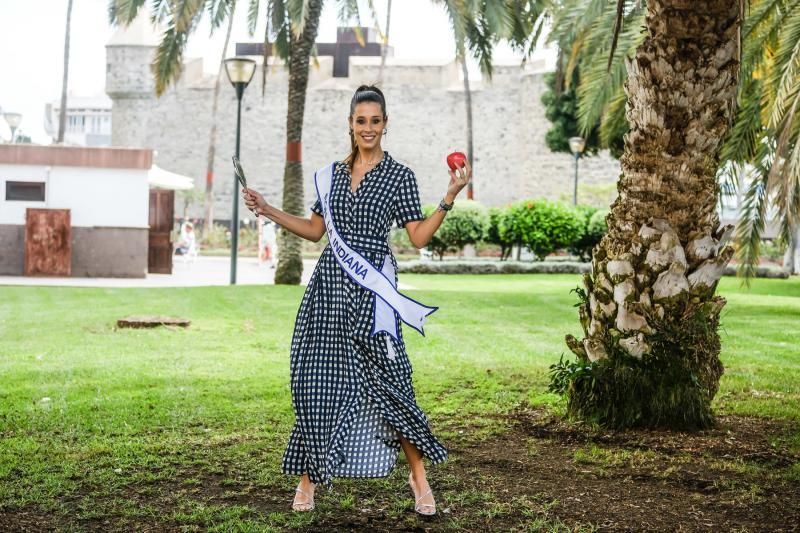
(25, 191)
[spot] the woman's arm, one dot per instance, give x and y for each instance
(420, 232)
(312, 229)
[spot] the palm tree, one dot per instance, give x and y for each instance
(767, 95)
(294, 24)
(650, 353)
(290, 260)
(62, 115)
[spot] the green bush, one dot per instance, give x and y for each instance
(544, 226)
(464, 224)
(494, 234)
(218, 237)
(594, 227)
(508, 227)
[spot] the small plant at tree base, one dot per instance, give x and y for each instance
(672, 386)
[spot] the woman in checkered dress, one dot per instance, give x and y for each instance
(351, 390)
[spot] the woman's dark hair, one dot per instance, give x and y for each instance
(365, 93)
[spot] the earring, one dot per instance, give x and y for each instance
(386, 131)
(351, 131)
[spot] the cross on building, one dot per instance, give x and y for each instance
(346, 45)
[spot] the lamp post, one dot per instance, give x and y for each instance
(576, 145)
(13, 120)
(240, 71)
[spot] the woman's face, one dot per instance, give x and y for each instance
(368, 125)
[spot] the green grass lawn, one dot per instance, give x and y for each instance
(103, 424)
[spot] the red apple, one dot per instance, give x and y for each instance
(456, 160)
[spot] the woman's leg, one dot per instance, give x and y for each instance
(304, 496)
(417, 467)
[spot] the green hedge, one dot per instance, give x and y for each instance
(465, 224)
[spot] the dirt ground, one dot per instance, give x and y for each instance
(539, 473)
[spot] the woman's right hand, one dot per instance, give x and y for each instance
(254, 201)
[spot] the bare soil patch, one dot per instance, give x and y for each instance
(540, 472)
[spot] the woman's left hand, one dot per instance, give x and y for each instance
(459, 178)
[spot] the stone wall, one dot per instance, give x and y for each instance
(427, 120)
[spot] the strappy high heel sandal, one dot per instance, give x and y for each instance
(424, 509)
(305, 506)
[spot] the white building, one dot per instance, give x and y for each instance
(88, 120)
(106, 191)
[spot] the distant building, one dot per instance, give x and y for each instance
(88, 120)
(427, 120)
(105, 191)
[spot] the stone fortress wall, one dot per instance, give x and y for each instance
(427, 120)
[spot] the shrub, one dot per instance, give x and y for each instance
(464, 224)
(544, 226)
(594, 227)
(493, 233)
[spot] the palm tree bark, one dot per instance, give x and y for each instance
(650, 315)
(212, 140)
(62, 116)
(290, 260)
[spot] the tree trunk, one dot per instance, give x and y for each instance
(290, 260)
(468, 102)
(649, 313)
(62, 116)
(791, 258)
(212, 140)
(385, 41)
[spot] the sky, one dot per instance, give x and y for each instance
(32, 48)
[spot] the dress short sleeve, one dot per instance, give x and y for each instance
(406, 204)
(317, 207)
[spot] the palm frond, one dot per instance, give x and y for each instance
(786, 76)
(597, 84)
(614, 124)
(123, 11)
(753, 214)
(218, 11)
(253, 10)
(297, 15)
(168, 61)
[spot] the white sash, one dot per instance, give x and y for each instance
(362, 271)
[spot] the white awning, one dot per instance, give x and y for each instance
(164, 179)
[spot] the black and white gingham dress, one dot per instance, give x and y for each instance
(352, 392)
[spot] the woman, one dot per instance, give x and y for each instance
(351, 387)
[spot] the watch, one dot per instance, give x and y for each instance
(444, 207)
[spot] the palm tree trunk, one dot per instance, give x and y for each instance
(212, 140)
(790, 258)
(468, 102)
(290, 261)
(649, 313)
(62, 116)
(385, 40)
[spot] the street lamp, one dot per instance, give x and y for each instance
(240, 71)
(576, 145)
(13, 120)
